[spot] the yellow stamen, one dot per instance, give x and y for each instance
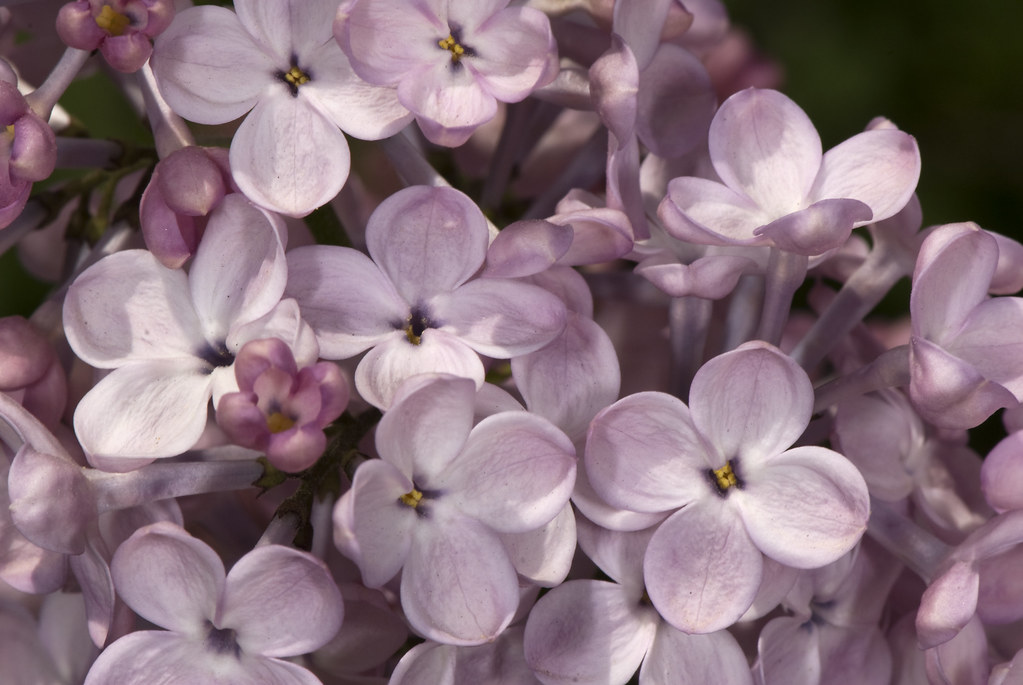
(10, 132)
(112, 21)
(725, 477)
(278, 422)
(411, 498)
(451, 45)
(412, 337)
(296, 76)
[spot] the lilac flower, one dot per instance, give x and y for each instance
(28, 149)
(232, 629)
(415, 305)
(435, 502)
(737, 493)
(120, 29)
(450, 60)
(280, 409)
(966, 351)
(172, 338)
(778, 189)
(278, 59)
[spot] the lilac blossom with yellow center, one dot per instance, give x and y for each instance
(722, 472)
(415, 302)
(120, 29)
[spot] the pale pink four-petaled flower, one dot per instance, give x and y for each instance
(722, 473)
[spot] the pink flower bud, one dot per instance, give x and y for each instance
(121, 29)
(28, 152)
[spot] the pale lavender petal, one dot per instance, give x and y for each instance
(458, 585)
(384, 38)
(527, 247)
(59, 525)
(286, 156)
(427, 426)
(678, 657)
(449, 104)
(879, 168)
(1008, 276)
(429, 663)
(501, 318)
(380, 525)
(599, 235)
(359, 109)
(281, 602)
(427, 240)
(108, 325)
(169, 578)
(751, 403)
(146, 410)
(93, 573)
(1001, 474)
(390, 363)
(588, 631)
(371, 633)
(805, 508)
(611, 517)
(948, 604)
(824, 225)
(707, 213)
(239, 271)
(515, 473)
(963, 660)
(952, 276)
(513, 51)
(289, 27)
(701, 569)
(640, 27)
(345, 298)
(209, 69)
(762, 144)
(544, 556)
(712, 277)
(148, 657)
(571, 379)
(992, 340)
(644, 454)
(877, 433)
(950, 392)
(676, 101)
(618, 554)
(788, 652)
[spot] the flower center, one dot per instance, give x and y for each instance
(112, 21)
(412, 498)
(279, 422)
(294, 77)
(453, 46)
(724, 478)
(222, 640)
(416, 325)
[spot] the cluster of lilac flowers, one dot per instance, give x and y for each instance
(563, 374)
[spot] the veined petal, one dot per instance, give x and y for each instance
(515, 473)
(952, 275)
(675, 656)
(288, 27)
(513, 48)
(281, 602)
(286, 156)
(390, 363)
(383, 39)
(880, 168)
(751, 403)
(500, 318)
(381, 525)
(169, 578)
(458, 585)
(358, 108)
(701, 569)
(644, 454)
(427, 240)
(708, 213)
(239, 272)
(149, 656)
(544, 556)
(427, 426)
(449, 103)
(146, 410)
(805, 508)
(588, 631)
(824, 225)
(344, 296)
(762, 144)
(109, 325)
(209, 68)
